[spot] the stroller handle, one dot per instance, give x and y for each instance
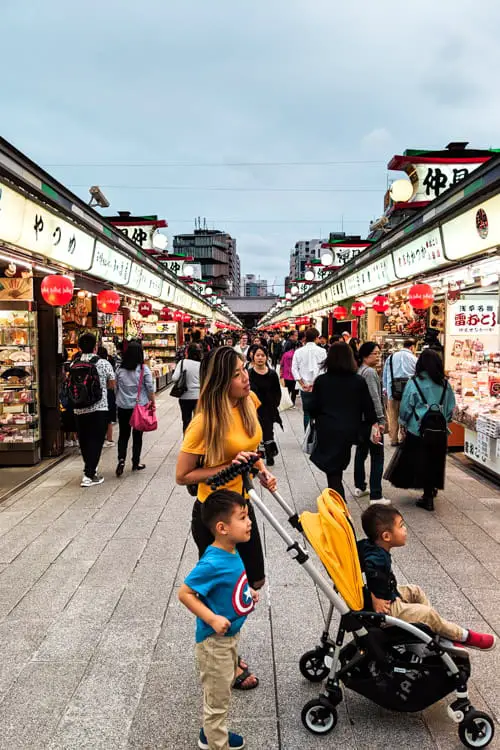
(237, 469)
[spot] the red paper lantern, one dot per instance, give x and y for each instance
(145, 309)
(178, 316)
(421, 296)
(166, 314)
(108, 301)
(57, 290)
(186, 318)
(381, 303)
(358, 309)
(339, 313)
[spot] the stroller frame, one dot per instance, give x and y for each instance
(319, 716)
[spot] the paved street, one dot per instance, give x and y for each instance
(96, 651)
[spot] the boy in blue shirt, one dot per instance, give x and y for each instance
(217, 592)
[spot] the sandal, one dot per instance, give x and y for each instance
(238, 683)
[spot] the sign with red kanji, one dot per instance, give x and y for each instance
(474, 315)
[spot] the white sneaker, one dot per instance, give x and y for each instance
(381, 501)
(109, 443)
(360, 493)
(87, 482)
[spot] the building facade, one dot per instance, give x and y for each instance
(216, 252)
(253, 286)
(304, 252)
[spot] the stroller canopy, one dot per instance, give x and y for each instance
(331, 534)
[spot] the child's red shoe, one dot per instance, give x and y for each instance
(481, 641)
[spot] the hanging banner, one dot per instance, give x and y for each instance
(144, 281)
(473, 231)
(423, 254)
(110, 265)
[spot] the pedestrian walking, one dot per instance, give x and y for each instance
(242, 346)
(306, 365)
(426, 410)
(191, 367)
(369, 355)
(130, 374)
(286, 371)
(340, 402)
(292, 341)
(398, 369)
(217, 592)
(89, 378)
(225, 430)
(276, 350)
(102, 352)
(265, 383)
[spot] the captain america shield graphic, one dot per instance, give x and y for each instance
(242, 596)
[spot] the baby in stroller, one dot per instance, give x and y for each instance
(385, 528)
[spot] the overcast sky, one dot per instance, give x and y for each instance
(91, 89)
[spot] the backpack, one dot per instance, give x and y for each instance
(433, 426)
(83, 384)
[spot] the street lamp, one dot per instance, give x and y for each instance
(160, 241)
(401, 191)
(295, 289)
(309, 276)
(188, 271)
(208, 291)
(288, 295)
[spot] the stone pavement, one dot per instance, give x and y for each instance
(96, 651)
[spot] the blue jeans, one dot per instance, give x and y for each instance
(365, 447)
(306, 401)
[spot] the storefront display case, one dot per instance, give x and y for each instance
(19, 387)
(159, 341)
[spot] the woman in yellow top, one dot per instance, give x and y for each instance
(225, 430)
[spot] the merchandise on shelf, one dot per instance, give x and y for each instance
(476, 383)
(19, 399)
(159, 341)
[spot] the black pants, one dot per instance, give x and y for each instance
(376, 453)
(251, 551)
(339, 464)
(125, 430)
(290, 384)
(91, 429)
(188, 405)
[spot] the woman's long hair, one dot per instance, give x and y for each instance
(133, 356)
(340, 360)
(431, 363)
(215, 380)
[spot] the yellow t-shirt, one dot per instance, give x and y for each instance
(237, 440)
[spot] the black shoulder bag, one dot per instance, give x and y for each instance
(398, 384)
(179, 388)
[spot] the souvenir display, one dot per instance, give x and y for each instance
(159, 341)
(19, 401)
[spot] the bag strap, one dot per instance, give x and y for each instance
(140, 385)
(445, 388)
(391, 368)
(419, 390)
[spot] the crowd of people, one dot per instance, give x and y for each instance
(229, 394)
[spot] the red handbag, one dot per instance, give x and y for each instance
(143, 418)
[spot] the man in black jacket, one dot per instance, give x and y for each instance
(276, 350)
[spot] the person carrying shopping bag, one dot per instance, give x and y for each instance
(132, 373)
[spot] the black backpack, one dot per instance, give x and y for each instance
(83, 384)
(433, 427)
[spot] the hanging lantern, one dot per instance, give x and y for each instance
(57, 290)
(381, 303)
(145, 309)
(358, 309)
(339, 313)
(166, 314)
(108, 301)
(186, 318)
(178, 316)
(421, 296)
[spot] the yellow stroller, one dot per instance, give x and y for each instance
(398, 665)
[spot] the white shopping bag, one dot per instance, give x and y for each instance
(286, 401)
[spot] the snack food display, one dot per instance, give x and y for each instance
(19, 402)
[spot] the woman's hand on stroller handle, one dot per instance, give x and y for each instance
(268, 480)
(243, 463)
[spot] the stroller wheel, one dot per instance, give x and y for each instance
(319, 718)
(476, 730)
(312, 665)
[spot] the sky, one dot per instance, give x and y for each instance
(274, 119)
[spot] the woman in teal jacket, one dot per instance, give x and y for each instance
(416, 467)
